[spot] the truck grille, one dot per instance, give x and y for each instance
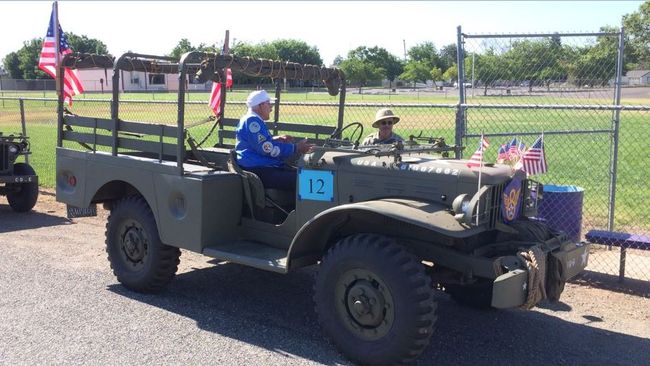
(494, 208)
(5, 164)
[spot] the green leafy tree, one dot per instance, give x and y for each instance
(296, 51)
(379, 58)
(184, 46)
(448, 56)
(451, 73)
(416, 71)
(425, 53)
(359, 72)
(637, 28)
(23, 64)
(436, 74)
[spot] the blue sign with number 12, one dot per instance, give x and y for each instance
(316, 185)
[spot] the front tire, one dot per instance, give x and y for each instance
(374, 300)
(24, 198)
(139, 260)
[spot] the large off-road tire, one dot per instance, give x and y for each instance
(139, 260)
(24, 198)
(477, 295)
(374, 300)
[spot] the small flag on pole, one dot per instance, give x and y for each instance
(502, 154)
(215, 95)
(47, 62)
(477, 159)
(534, 160)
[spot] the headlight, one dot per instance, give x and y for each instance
(460, 206)
(13, 149)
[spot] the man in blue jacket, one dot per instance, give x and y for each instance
(261, 153)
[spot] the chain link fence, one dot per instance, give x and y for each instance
(566, 86)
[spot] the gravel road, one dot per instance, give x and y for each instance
(60, 304)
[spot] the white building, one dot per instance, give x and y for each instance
(96, 80)
(638, 77)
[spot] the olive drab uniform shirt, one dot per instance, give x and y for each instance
(373, 139)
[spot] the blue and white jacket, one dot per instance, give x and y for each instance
(255, 146)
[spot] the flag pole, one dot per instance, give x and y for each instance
(480, 171)
(57, 54)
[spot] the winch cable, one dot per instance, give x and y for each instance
(535, 261)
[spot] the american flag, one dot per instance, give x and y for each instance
(215, 95)
(477, 158)
(502, 154)
(47, 62)
(534, 160)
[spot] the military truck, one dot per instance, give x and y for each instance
(386, 225)
(18, 180)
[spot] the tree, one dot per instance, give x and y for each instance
(416, 71)
(359, 72)
(448, 55)
(380, 58)
(84, 44)
(425, 53)
(451, 73)
(436, 74)
(23, 64)
(184, 46)
(637, 27)
(296, 51)
(337, 61)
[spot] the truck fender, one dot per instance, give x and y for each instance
(404, 218)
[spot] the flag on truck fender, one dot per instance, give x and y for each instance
(477, 158)
(215, 94)
(534, 160)
(47, 61)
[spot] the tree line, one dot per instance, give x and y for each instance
(529, 62)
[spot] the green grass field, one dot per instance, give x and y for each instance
(573, 159)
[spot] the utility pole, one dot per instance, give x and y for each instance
(404, 49)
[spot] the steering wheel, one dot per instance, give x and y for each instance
(338, 133)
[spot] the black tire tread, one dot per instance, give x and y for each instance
(25, 199)
(167, 259)
(400, 262)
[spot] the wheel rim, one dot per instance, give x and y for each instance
(365, 304)
(134, 244)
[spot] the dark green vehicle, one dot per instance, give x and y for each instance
(18, 180)
(387, 225)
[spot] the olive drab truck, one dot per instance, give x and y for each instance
(386, 225)
(18, 180)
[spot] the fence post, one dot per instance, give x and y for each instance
(22, 123)
(460, 112)
(616, 119)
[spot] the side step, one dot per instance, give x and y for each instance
(250, 254)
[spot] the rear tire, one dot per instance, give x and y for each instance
(23, 199)
(374, 300)
(139, 260)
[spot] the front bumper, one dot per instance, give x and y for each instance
(511, 289)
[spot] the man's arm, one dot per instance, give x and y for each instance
(258, 137)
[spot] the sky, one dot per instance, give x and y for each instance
(334, 27)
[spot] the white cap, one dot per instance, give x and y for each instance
(257, 97)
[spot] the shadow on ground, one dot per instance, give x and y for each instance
(14, 221)
(610, 282)
(275, 312)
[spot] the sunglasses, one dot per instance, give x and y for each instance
(387, 122)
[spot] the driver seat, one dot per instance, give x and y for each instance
(257, 197)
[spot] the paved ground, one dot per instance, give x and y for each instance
(60, 304)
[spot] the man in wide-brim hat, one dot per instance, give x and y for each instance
(385, 119)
